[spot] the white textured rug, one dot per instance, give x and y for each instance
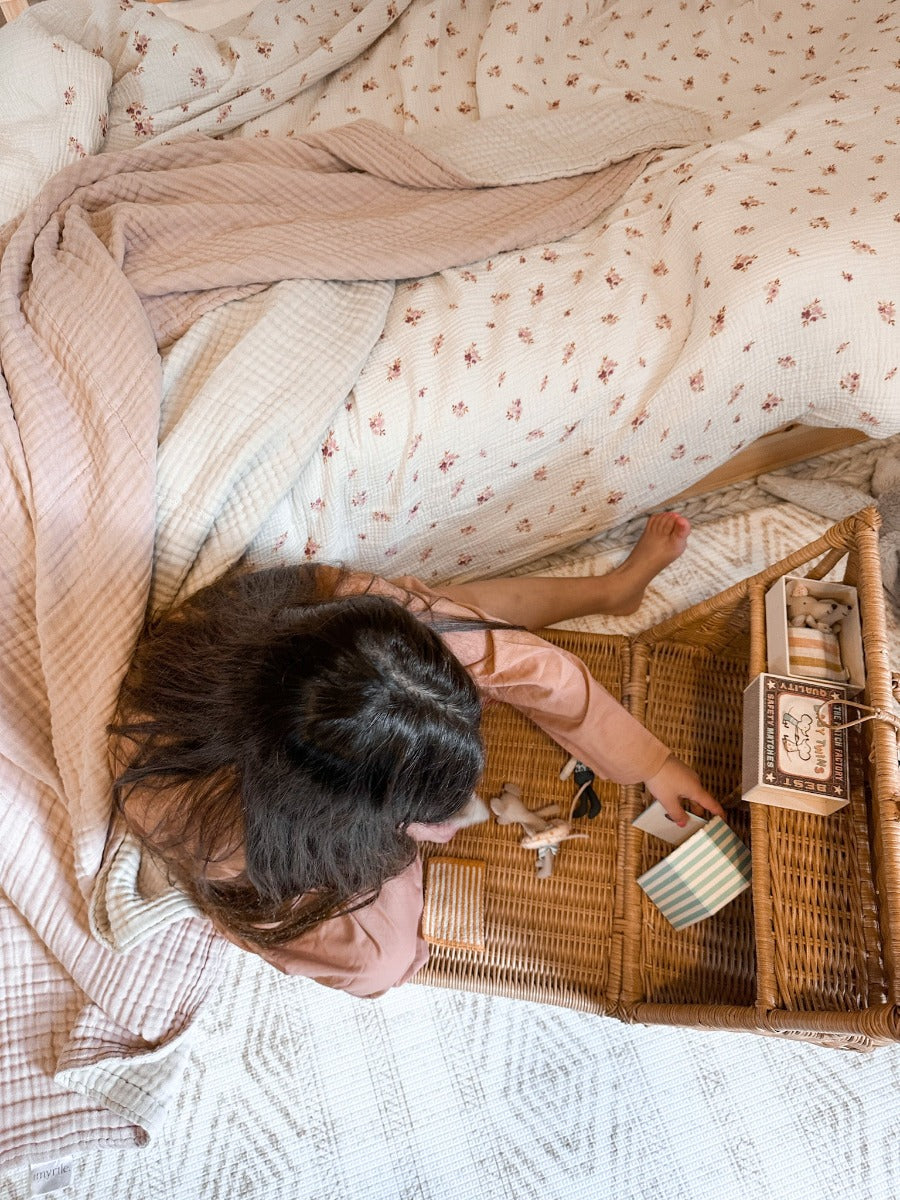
(297, 1093)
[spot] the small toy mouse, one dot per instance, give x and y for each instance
(815, 612)
(541, 834)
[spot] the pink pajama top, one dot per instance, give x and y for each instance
(550, 686)
(380, 946)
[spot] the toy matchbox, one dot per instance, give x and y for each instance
(791, 758)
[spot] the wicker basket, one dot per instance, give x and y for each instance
(811, 951)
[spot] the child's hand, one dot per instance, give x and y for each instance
(675, 782)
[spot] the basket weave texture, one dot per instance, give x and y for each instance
(811, 951)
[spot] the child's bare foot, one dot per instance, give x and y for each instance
(663, 540)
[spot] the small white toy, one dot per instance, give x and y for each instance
(814, 612)
(543, 835)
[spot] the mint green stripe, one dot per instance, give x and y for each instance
(701, 876)
(721, 875)
(730, 844)
(693, 851)
(662, 886)
(713, 901)
(687, 918)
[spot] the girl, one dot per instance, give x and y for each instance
(287, 736)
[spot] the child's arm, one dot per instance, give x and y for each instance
(557, 691)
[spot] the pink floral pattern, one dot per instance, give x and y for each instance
(705, 325)
(524, 402)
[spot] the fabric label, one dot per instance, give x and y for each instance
(50, 1176)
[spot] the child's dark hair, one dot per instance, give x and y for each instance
(274, 716)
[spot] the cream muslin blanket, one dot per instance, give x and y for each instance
(118, 256)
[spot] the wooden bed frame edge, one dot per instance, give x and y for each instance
(780, 448)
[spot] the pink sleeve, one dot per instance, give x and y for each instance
(557, 691)
(366, 952)
(549, 685)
